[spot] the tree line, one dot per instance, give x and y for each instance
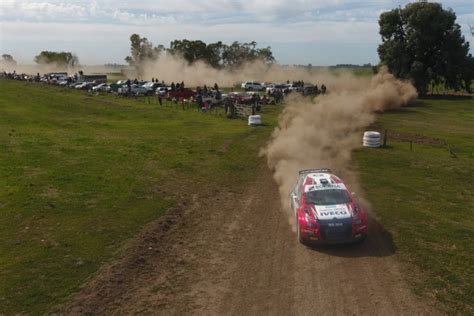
(216, 54)
(59, 58)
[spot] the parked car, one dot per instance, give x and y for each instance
(309, 90)
(252, 85)
(85, 86)
(138, 89)
(152, 86)
(240, 97)
(213, 99)
(162, 91)
(325, 211)
(276, 86)
(185, 93)
(121, 82)
(135, 89)
(75, 84)
(103, 87)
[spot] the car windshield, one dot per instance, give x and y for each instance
(327, 197)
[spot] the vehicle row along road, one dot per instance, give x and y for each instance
(225, 252)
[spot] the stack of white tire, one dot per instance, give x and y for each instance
(255, 120)
(371, 139)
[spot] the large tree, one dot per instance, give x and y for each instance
(8, 59)
(238, 53)
(422, 42)
(58, 58)
(142, 50)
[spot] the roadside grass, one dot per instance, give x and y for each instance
(81, 174)
(424, 197)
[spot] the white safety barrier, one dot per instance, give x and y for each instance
(371, 139)
(255, 120)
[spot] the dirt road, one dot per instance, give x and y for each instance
(234, 253)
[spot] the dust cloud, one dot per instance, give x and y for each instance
(176, 69)
(322, 133)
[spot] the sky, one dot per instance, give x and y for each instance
(318, 32)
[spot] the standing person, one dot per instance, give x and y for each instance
(199, 98)
(254, 104)
(129, 87)
(160, 100)
(182, 85)
(226, 106)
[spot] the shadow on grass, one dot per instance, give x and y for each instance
(379, 243)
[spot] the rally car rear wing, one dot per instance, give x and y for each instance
(327, 170)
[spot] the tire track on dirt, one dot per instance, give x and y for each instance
(233, 253)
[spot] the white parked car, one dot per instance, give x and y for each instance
(135, 89)
(273, 87)
(152, 86)
(101, 87)
(252, 85)
(161, 91)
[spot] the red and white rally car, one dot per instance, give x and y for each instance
(325, 210)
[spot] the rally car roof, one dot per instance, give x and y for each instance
(322, 181)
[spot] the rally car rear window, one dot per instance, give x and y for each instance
(327, 197)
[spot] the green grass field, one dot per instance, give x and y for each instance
(82, 174)
(424, 197)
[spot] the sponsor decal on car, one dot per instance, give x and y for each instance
(315, 187)
(332, 211)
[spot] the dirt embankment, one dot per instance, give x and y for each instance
(234, 253)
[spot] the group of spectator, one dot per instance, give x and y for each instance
(177, 86)
(298, 83)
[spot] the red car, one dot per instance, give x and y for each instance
(180, 94)
(325, 210)
(241, 97)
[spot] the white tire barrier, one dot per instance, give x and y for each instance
(371, 139)
(255, 120)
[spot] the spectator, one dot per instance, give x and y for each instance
(323, 89)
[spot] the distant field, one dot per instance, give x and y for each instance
(424, 197)
(81, 174)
